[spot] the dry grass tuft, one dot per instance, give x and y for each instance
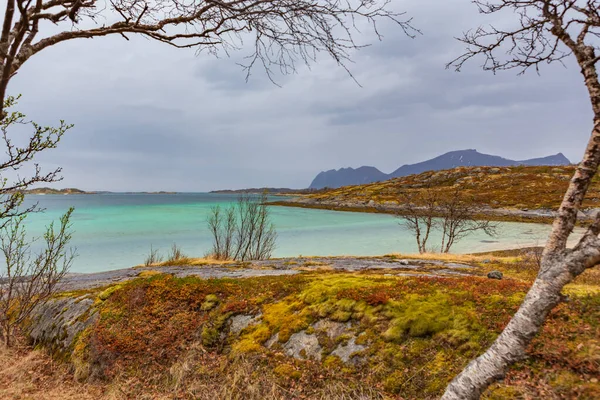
(32, 374)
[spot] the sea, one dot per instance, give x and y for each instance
(117, 230)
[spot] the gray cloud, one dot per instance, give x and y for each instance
(149, 117)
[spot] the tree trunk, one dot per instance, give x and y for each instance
(559, 267)
(512, 343)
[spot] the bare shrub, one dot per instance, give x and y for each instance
(531, 259)
(176, 254)
(459, 220)
(153, 257)
(413, 217)
(243, 231)
(30, 279)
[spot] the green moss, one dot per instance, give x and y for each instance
(502, 392)
(393, 383)
(210, 302)
(287, 318)
(106, 293)
(287, 371)
(252, 341)
(209, 336)
(422, 316)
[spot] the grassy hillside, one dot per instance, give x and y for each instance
(163, 337)
(495, 187)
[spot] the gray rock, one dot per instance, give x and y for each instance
(403, 262)
(346, 352)
(495, 275)
(272, 341)
(240, 322)
(303, 346)
(57, 323)
(486, 261)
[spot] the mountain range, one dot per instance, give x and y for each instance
(460, 158)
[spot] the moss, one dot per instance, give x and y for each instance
(564, 380)
(332, 362)
(80, 355)
(210, 302)
(287, 371)
(393, 383)
(106, 293)
(418, 332)
(252, 341)
(287, 318)
(210, 336)
(148, 274)
(422, 316)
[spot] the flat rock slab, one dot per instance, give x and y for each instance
(303, 346)
(276, 267)
(346, 353)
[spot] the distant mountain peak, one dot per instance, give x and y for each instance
(452, 159)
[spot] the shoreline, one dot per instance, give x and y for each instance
(433, 265)
(538, 216)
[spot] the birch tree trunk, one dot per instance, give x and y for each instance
(559, 265)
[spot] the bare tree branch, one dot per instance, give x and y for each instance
(284, 32)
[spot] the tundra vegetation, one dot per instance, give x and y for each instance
(514, 188)
(243, 231)
(158, 324)
(283, 33)
(164, 337)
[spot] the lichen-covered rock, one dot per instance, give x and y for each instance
(332, 329)
(57, 323)
(240, 322)
(303, 346)
(346, 352)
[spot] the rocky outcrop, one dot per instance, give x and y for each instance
(303, 346)
(57, 323)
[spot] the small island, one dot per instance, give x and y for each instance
(47, 190)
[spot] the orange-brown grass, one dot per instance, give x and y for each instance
(32, 374)
(506, 187)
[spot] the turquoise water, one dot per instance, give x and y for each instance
(116, 230)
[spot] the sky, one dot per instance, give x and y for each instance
(150, 117)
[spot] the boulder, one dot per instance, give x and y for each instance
(495, 275)
(57, 323)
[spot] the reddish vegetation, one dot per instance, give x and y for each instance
(150, 325)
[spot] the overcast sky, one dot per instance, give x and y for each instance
(150, 117)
